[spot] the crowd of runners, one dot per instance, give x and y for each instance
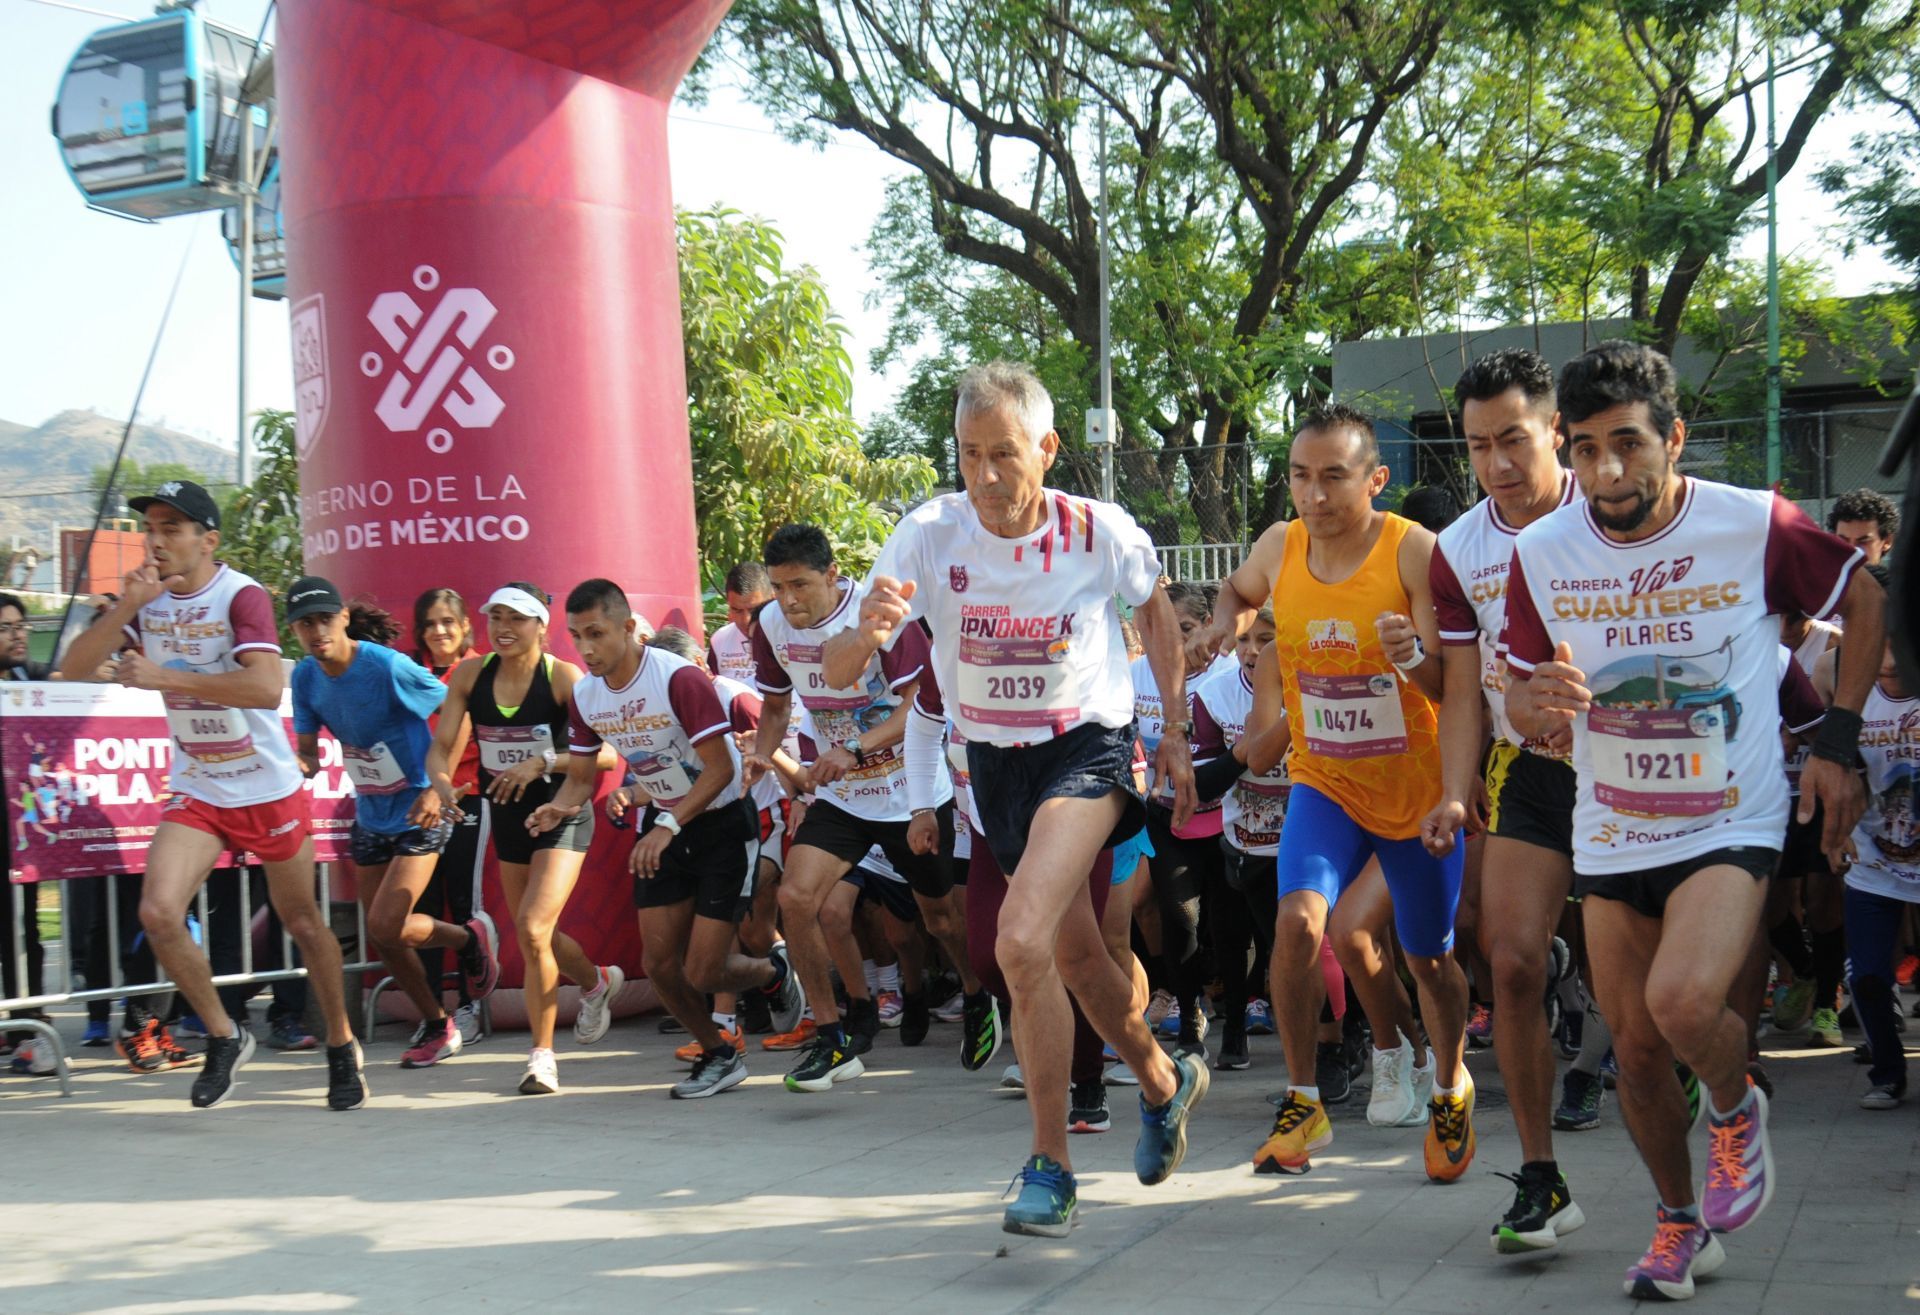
(1586, 769)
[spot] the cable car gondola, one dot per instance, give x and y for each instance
(269, 239)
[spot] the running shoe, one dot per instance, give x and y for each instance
(916, 1020)
(981, 1031)
(692, 1051)
(434, 1041)
(1233, 1052)
(141, 1049)
(1883, 1096)
(1792, 1005)
(1330, 1073)
(1159, 1005)
(1682, 1251)
(1581, 1096)
(289, 1033)
(190, 1028)
(891, 1008)
(542, 1077)
(756, 1019)
(1421, 1081)
(1046, 1202)
(714, 1071)
(1690, 1088)
(1824, 1030)
(1543, 1212)
(1170, 1022)
(1087, 1108)
(1609, 1069)
(596, 1013)
(1259, 1018)
(1757, 1074)
(35, 1058)
(226, 1056)
(787, 1005)
(1163, 1128)
(1011, 1079)
(467, 1019)
(1480, 1026)
(799, 1038)
(822, 1064)
(952, 1011)
(1907, 968)
(346, 1078)
(1450, 1139)
(1392, 1086)
(97, 1033)
(1739, 1166)
(175, 1054)
(861, 1022)
(480, 962)
(1121, 1076)
(1300, 1127)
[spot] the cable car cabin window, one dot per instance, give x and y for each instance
(123, 109)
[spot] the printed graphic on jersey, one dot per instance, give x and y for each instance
(1661, 724)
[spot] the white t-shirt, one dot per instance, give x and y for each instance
(1888, 835)
(743, 713)
(730, 653)
(1679, 637)
(654, 721)
(1027, 640)
(227, 757)
(1254, 808)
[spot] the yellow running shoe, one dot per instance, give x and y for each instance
(1450, 1133)
(1300, 1128)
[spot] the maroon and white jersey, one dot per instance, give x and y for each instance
(1025, 630)
(1679, 635)
(1469, 580)
(730, 653)
(1888, 835)
(787, 660)
(743, 716)
(654, 721)
(1257, 804)
(227, 757)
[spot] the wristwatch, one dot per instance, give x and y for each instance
(1184, 727)
(668, 821)
(551, 759)
(859, 755)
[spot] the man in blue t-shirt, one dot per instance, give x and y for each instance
(376, 702)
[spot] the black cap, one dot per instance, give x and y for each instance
(311, 595)
(185, 497)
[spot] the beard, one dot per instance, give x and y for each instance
(1623, 522)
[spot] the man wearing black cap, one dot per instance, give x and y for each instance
(205, 638)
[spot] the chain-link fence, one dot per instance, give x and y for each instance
(1823, 454)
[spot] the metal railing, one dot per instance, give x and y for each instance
(1201, 563)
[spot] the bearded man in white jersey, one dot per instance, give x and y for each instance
(208, 643)
(1017, 582)
(1647, 619)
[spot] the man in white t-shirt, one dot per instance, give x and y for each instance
(730, 650)
(1017, 582)
(207, 641)
(1647, 618)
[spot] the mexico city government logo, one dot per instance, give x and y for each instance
(437, 366)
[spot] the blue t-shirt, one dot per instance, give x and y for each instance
(377, 708)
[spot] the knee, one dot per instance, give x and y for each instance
(1025, 956)
(798, 903)
(305, 923)
(1296, 935)
(660, 966)
(1641, 1054)
(835, 920)
(387, 926)
(534, 933)
(939, 920)
(1519, 970)
(1684, 1013)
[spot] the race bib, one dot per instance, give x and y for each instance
(1356, 716)
(502, 747)
(207, 732)
(1662, 762)
(1018, 683)
(666, 780)
(1261, 806)
(374, 770)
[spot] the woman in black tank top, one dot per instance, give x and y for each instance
(517, 698)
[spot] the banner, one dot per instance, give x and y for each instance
(85, 774)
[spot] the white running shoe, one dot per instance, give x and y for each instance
(1392, 1089)
(1419, 1092)
(467, 1019)
(1011, 1079)
(596, 1015)
(542, 1077)
(1121, 1076)
(952, 1011)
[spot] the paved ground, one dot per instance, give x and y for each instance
(449, 1194)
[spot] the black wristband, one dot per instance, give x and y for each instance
(1838, 739)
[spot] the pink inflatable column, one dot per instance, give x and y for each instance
(485, 300)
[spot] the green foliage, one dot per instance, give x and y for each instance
(135, 479)
(260, 524)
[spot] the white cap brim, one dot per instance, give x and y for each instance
(519, 600)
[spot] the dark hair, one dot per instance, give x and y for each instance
(424, 604)
(1859, 505)
(1618, 373)
(1334, 416)
(600, 593)
(545, 598)
(748, 579)
(1431, 505)
(13, 601)
(1191, 598)
(371, 623)
(679, 643)
(1508, 368)
(800, 545)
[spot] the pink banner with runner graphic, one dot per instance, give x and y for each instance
(85, 773)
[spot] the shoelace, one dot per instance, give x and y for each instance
(1292, 1114)
(1530, 1195)
(1450, 1119)
(1035, 1171)
(1669, 1236)
(1728, 1170)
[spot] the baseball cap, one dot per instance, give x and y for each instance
(311, 595)
(185, 497)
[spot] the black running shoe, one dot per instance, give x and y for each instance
(226, 1055)
(980, 1031)
(822, 1064)
(1233, 1050)
(1543, 1212)
(756, 1019)
(862, 1023)
(346, 1084)
(1087, 1108)
(916, 1018)
(1330, 1073)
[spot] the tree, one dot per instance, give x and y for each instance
(135, 479)
(1877, 189)
(260, 524)
(770, 390)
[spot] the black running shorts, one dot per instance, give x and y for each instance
(1529, 798)
(1648, 890)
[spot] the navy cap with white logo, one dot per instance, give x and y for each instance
(185, 497)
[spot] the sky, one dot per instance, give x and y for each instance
(84, 291)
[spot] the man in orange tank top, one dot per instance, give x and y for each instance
(1354, 661)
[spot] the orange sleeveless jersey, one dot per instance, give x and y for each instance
(1348, 744)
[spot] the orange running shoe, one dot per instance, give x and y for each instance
(1909, 967)
(691, 1051)
(798, 1039)
(141, 1049)
(1450, 1140)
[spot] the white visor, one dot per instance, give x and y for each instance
(518, 600)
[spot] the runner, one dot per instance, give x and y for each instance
(730, 649)
(1018, 581)
(1668, 590)
(1867, 520)
(1353, 616)
(376, 702)
(516, 698)
(694, 863)
(860, 798)
(207, 641)
(1507, 412)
